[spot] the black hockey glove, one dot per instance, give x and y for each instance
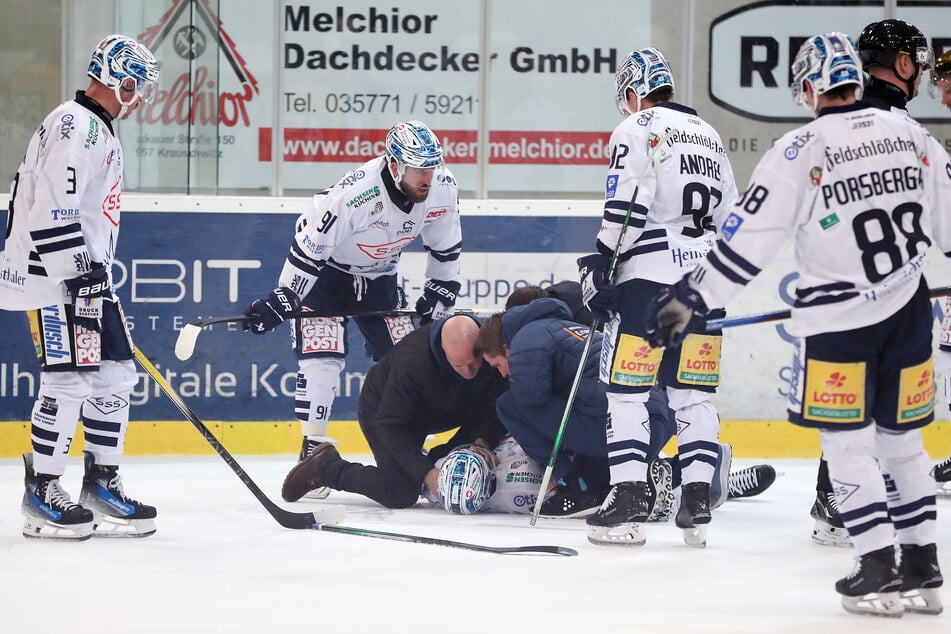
(87, 292)
(264, 315)
(674, 313)
(438, 296)
(597, 293)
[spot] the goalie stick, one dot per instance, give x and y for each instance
(288, 519)
(188, 335)
(324, 519)
(779, 315)
(572, 393)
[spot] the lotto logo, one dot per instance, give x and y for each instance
(705, 350)
(925, 379)
(321, 335)
(836, 380)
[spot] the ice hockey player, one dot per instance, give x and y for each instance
(344, 257)
(668, 218)
(895, 56)
(862, 367)
(941, 79)
(60, 247)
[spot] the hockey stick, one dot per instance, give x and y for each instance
(288, 519)
(432, 541)
(573, 392)
(778, 315)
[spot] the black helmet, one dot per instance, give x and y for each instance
(880, 43)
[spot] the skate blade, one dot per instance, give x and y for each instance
(696, 536)
(922, 601)
(39, 528)
(108, 526)
(628, 534)
(823, 535)
(887, 604)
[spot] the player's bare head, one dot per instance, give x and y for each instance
(643, 75)
(128, 69)
(826, 65)
(459, 335)
(525, 294)
(413, 153)
(941, 79)
(896, 51)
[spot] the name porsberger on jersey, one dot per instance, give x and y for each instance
(889, 181)
(874, 147)
(695, 138)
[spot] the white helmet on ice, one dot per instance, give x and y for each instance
(465, 482)
(412, 144)
(827, 62)
(642, 71)
(121, 62)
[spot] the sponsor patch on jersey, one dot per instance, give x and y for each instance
(835, 392)
(364, 197)
(915, 393)
(66, 127)
(730, 226)
(108, 404)
(815, 177)
(610, 188)
(399, 327)
(433, 213)
(700, 360)
(55, 336)
(88, 347)
(798, 142)
(321, 334)
(635, 362)
(829, 221)
(384, 251)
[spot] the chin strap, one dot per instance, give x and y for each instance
(123, 106)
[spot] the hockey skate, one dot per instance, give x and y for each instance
(47, 510)
(572, 498)
(828, 529)
(306, 449)
(307, 474)
(873, 586)
(620, 519)
(115, 514)
(920, 579)
(751, 481)
(720, 485)
(660, 482)
(942, 478)
(694, 513)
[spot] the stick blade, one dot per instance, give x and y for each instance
(185, 344)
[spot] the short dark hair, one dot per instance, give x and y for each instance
(660, 95)
(490, 341)
(525, 294)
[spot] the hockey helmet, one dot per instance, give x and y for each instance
(119, 61)
(942, 68)
(881, 42)
(465, 482)
(413, 144)
(643, 71)
(827, 62)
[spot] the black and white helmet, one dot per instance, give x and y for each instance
(120, 62)
(642, 71)
(826, 62)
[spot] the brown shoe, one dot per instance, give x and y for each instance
(307, 474)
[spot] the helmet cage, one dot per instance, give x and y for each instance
(827, 62)
(642, 71)
(465, 482)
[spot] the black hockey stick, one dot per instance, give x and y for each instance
(432, 541)
(288, 519)
(573, 392)
(779, 315)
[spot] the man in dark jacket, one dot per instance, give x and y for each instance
(430, 382)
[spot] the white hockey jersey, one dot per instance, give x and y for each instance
(862, 191)
(517, 478)
(681, 199)
(357, 227)
(64, 206)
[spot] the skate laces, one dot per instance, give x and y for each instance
(55, 497)
(743, 481)
(609, 499)
(832, 503)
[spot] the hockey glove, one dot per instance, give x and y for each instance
(264, 315)
(674, 313)
(87, 292)
(438, 297)
(597, 293)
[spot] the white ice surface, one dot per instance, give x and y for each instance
(220, 563)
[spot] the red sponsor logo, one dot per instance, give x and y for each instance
(435, 213)
(399, 327)
(321, 334)
(383, 251)
(87, 347)
(112, 203)
(638, 367)
(834, 398)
